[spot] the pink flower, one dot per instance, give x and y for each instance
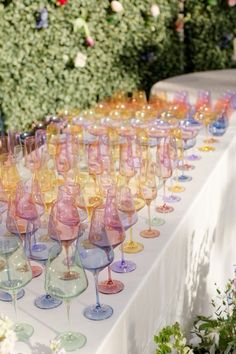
(231, 3)
(90, 41)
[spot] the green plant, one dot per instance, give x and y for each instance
(214, 334)
(218, 332)
(209, 33)
(171, 338)
(38, 73)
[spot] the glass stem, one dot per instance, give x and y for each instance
(206, 132)
(122, 255)
(164, 190)
(96, 289)
(149, 217)
(109, 280)
(14, 300)
(171, 186)
(183, 157)
(131, 235)
(67, 302)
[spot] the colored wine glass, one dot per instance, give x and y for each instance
(65, 280)
(14, 275)
(96, 254)
(148, 191)
(116, 235)
(126, 206)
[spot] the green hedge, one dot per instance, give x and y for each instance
(209, 33)
(37, 72)
(132, 50)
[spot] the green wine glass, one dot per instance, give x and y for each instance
(15, 273)
(65, 279)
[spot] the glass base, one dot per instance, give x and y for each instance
(5, 296)
(150, 233)
(47, 302)
(184, 178)
(36, 270)
(123, 266)
(186, 167)
(176, 188)
(206, 148)
(164, 209)
(98, 313)
(172, 199)
(110, 286)
(133, 247)
(23, 331)
(193, 157)
(39, 252)
(156, 221)
(70, 341)
(38, 247)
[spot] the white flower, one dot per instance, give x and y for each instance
(80, 60)
(8, 344)
(7, 335)
(155, 10)
(55, 346)
(117, 6)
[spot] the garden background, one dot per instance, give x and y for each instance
(67, 54)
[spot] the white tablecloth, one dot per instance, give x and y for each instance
(175, 274)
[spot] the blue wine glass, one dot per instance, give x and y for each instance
(96, 253)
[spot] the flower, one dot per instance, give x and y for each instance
(55, 347)
(62, 2)
(116, 6)
(80, 60)
(231, 3)
(90, 41)
(42, 20)
(7, 335)
(155, 10)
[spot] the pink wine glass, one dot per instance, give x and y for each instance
(116, 235)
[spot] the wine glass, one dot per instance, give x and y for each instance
(128, 218)
(116, 235)
(95, 165)
(182, 136)
(188, 136)
(92, 196)
(126, 161)
(172, 198)
(65, 279)
(132, 246)
(15, 273)
(206, 116)
(26, 209)
(96, 254)
(164, 167)
(191, 123)
(39, 245)
(148, 191)
(31, 153)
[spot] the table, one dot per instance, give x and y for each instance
(175, 274)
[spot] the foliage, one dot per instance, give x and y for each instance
(214, 334)
(209, 33)
(38, 74)
(171, 338)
